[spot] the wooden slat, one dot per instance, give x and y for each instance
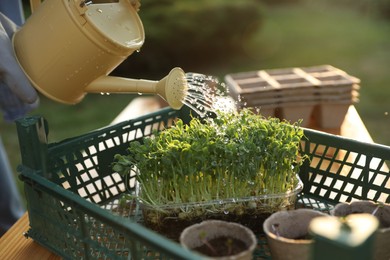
(263, 74)
(307, 76)
(13, 244)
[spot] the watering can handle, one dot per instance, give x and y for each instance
(35, 3)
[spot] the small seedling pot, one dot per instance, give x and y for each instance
(295, 111)
(288, 233)
(198, 235)
(382, 212)
(331, 114)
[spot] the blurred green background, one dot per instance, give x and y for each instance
(220, 37)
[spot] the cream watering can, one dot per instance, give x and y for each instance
(68, 48)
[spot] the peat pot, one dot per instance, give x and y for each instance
(220, 240)
(382, 212)
(288, 233)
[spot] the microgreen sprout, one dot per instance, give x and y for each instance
(202, 237)
(380, 205)
(229, 245)
(234, 155)
(275, 228)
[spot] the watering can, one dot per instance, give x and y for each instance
(68, 48)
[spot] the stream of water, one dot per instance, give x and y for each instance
(207, 94)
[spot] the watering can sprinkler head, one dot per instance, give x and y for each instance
(173, 88)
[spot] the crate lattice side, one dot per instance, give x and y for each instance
(71, 191)
(344, 170)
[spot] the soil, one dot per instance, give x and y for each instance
(304, 237)
(221, 246)
(172, 227)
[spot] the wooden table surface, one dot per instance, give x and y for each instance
(14, 245)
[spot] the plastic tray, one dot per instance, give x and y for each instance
(73, 195)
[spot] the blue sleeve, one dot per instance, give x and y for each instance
(13, 9)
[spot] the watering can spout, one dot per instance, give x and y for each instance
(172, 88)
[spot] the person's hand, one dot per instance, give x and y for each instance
(17, 96)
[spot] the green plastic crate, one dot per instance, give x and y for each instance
(73, 195)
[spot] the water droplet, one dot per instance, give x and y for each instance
(252, 204)
(205, 94)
